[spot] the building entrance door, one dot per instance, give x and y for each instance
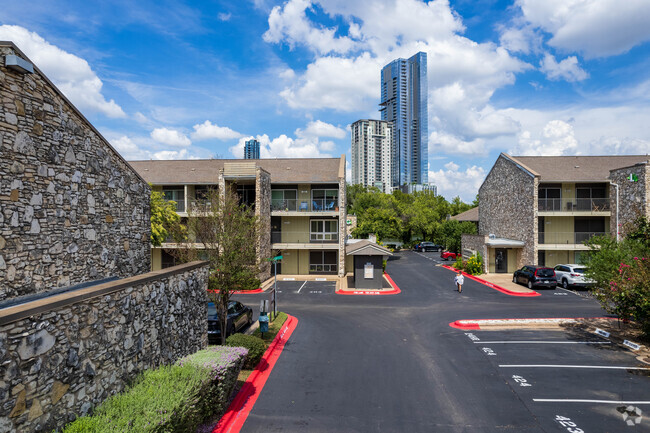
(501, 260)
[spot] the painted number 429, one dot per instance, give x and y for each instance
(521, 381)
(570, 425)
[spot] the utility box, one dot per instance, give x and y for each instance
(368, 264)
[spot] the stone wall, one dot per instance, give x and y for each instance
(476, 243)
(633, 197)
(62, 357)
(263, 211)
(508, 206)
(71, 209)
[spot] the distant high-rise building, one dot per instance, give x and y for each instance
(372, 144)
(404, 98)
(252, 149)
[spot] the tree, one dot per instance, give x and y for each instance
(225, 233)
(457, 206)
(163, 218)
(452, 232)
(385, 223)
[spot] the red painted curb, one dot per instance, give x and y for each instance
(235, 417)
(395, 290)
(476, 324)
(245, 292)
(494, 286)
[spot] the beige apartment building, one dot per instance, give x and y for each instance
(539, 210)
(300, 203)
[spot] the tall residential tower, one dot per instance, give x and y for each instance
(252, 149)
(372, 142)
(404, 103)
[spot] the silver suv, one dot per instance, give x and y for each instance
(571, 275)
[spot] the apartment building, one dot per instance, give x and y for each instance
(372, 145)
(541, 209)
(300, 203)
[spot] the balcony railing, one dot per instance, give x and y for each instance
(567, 237)
(316, 205)
(290, 237)
(180, 205)
(573, 204)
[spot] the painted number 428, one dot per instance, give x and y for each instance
(570, 425)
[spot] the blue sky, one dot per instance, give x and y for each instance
(174, 79)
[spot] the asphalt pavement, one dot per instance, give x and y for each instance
(393, 364)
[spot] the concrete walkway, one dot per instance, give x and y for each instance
(505, 281)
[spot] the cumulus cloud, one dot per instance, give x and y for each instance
(318, 128)
(558, 138)
(170, 137)
(224, 16)
(439, 142)
(171, 154)
(282, 147)
(208, 130)
(70, 73)
(452, 181)
(567, 69)
(596, 28)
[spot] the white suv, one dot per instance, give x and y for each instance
(571, 275)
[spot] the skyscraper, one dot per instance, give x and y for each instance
(372, 143)
(404, 99)
(252, 149)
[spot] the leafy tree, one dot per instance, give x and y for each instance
(225, 233)
(452, 231)
(163, 217)
(457, 206)
(385, 223)
(475, 202)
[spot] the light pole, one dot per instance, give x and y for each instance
(275, 261)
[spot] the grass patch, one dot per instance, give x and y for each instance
(274, 327)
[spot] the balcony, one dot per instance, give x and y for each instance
(566, 238)
(295, 237)
(589, 205)
(315, 205)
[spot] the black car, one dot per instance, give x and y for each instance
(239, 316)
(428, 246)
(535, 276)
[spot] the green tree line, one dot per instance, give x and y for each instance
(409, 218)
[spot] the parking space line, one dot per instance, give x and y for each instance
(542, 342)
(303, 285)
(607, 367)
(577, 400)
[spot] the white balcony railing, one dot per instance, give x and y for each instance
(568, 238)
(573, 204)
(315, 205)
(295, 237)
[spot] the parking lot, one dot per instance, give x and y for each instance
(296, 287)
(569, 382)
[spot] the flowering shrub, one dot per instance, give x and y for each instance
(474, 265)
(173, 398)
(255, 346)
(628, 295)
(459, 264)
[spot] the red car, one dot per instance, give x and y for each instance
(446, 255)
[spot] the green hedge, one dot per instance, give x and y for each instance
(255, 345)
(175, 398)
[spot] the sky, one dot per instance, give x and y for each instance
(165, 79)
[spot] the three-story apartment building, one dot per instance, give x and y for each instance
(540, 210)
(300, 204)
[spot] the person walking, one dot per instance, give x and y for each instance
(459, 280)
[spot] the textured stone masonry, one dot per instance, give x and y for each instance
(634, 197)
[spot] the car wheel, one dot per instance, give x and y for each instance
(565, 283)
(514, 279)
(530, 284)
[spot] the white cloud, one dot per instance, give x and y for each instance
(289, 23)
(224, 16)
(318, 128)
(557, 138)
(568, 69)
(439, 142)
(452, 181)
(519, 39)
(128, 149)
(170, 137)
(71, 74)
(208, 130)
(171, 154)
(596, 28)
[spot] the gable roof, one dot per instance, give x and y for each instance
(367, 248)
(576, 168)
(469, 215)
(206, 171)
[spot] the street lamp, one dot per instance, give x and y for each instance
(275, 261)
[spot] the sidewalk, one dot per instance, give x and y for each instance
(345, 286)
(268, 284)
(505, 281)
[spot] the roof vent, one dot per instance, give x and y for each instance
(577, 166)
(492, 236)
(194, 169)
(18, 64)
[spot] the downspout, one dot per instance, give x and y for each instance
(617, 210)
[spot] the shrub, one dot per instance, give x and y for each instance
(174, 398)
(474, 265)
(255, 346)
(459, 263)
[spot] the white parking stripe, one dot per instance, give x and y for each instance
(609, 367)
(303, 285)
(542, 342)
(576, 400)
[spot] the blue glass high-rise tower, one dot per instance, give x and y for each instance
(404, 100)
(252, 149)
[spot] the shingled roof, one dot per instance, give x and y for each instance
(470, 215)
(206, 171)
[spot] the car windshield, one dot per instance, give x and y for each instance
(212, 310)
(545, 272)
(579, 270)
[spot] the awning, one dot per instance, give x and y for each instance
(504, 243)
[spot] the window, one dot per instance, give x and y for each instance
(177, 194)
(324, 199)
(323, 231)
(323, 261)
(550, 197)
(284, 199)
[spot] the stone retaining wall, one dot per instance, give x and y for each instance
(477, 244)
(633, 197)
(61, 356)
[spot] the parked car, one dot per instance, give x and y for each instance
(572, 275)
(535, 276)
(429, 246)
(446, 255)
(239, 316)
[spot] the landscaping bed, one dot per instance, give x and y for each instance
(175, 398)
